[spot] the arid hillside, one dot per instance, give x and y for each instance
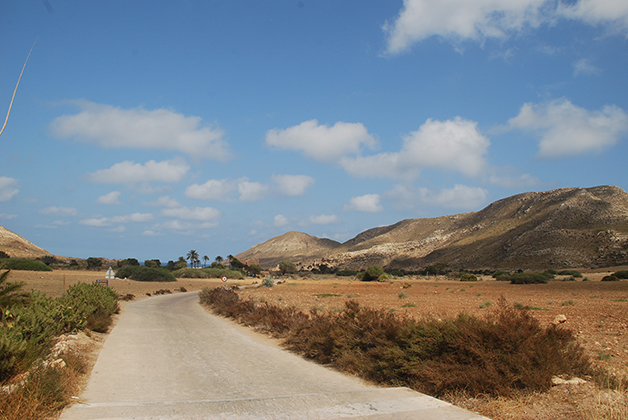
(17, 247)
(567, 227)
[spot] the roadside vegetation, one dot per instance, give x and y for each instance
(141, 273)
(34, 383)
(499, 355)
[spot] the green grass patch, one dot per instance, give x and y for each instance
(409, 305)
(326, 295)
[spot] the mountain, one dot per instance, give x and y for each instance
(567, 227)
(17, 247)
(294, 246)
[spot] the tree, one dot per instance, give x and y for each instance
(205, 258)
(255, 269)
(180, 264)
(219, 259)
(94, 263)
(287, 267)
(373, 273)
(152, 263)
(193, 257)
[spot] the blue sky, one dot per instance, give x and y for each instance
(147, 129)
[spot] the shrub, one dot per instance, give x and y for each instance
(621, 274)
(346, 273)
(571, 273)
(206, 273)
(372, 273)
(287, 267)
(24, 264)
(526, 278)
(505, 351)
(145, 274)
(468, 277)
(4, 255)
(397, 272)
(500, 273)
(612, 277)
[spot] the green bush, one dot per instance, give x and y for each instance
(468, 277)
(526, 278)
(372, 273)
(287, 267)
(621, 274)
(27, 331)
(140, 273)
(571, 273)
(346, 273)
(206, 273)
(24, 264)
(610, 278)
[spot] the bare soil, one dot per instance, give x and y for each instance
(596, 311)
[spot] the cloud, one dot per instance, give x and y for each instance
(566, 129)
(595, 12)
(8, 216)
(321, 142)
(113, 127)
(59, 211)
(117, 220)
(214, 189)
(164, 201)
(128, 172)
(455, 145)
(202, 214)
(518, 182)
(478, 20)
(280, 220)
(109, 199)
(365, 203)
(7, 188)
(293, 185)
(323, 219)
(252, 191)
(460, 197)
(584, 67)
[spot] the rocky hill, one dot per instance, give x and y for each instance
(17, 247)
(567, 227)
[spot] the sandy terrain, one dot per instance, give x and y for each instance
(597, 311)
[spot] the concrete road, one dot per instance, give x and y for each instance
(167, 358)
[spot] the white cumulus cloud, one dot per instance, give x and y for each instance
(59, 211)
(202, 214)
(7, 188)
(293, 185)
(163, 129)
(252, 191)
(482, 19)
(460, 197)
(455, 145)
(214, 189)
(321, 142)
(323, 219)
(117, 220)
(584, 67)
(566, 129)
(128, 172)
(109, 199)
(365, 203)
(280, 220)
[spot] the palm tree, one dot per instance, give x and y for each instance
(219, 259)
(205, 258)
(193, 257)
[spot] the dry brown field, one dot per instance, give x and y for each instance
(596, 311)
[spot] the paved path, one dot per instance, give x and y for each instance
(167, 358)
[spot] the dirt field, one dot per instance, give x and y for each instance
(596, 311)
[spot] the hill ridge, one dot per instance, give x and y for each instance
(565, 227)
